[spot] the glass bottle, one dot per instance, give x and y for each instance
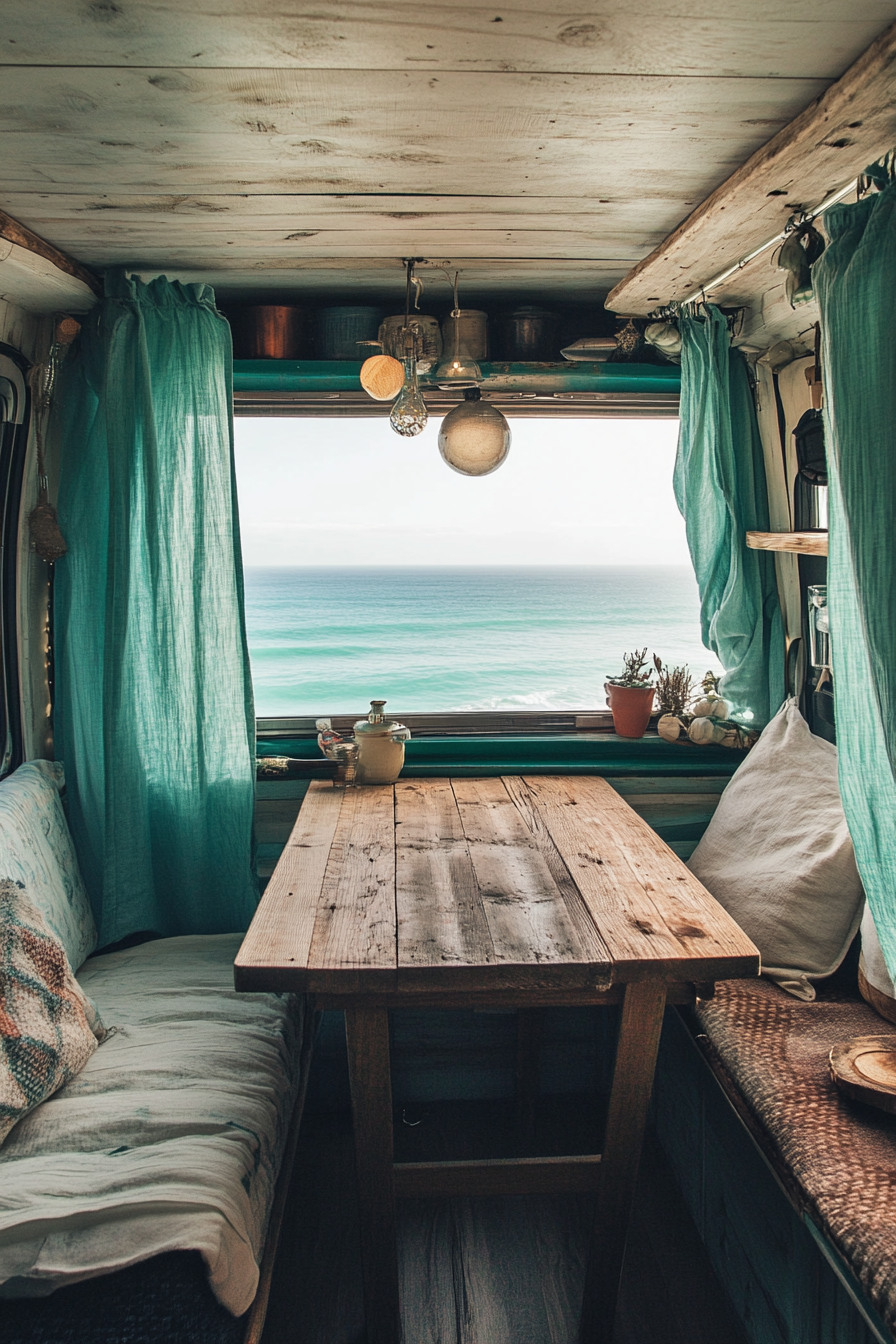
(409, 414)
(819, 626)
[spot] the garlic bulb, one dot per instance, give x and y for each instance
(666, 337)
(669, 727)
(704, 731)
(711, 706)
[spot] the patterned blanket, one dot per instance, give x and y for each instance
(841, 1154)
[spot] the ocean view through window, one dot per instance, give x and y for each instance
(373, 570)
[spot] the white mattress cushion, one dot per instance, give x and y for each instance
(36, 849)
(169, 1139)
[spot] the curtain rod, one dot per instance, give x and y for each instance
(705, 290)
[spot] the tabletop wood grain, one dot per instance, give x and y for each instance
(522, 883)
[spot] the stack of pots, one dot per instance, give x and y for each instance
(353, 332)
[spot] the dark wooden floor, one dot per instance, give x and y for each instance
(486, 1271)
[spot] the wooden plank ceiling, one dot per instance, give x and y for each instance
(279, 146)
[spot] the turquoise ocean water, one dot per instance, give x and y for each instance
(329, 640)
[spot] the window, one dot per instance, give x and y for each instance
(373, 569)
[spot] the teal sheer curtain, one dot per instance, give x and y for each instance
(720, 488)
(154, 717)
(855, 283)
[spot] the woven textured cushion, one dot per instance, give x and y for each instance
(778, 856)
(37, 850)
(842, 1154)
(48, 1027)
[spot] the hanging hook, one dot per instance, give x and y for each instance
(409, 280)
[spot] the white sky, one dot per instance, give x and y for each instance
(353, 492)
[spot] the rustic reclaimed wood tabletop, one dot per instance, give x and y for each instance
(521, 892)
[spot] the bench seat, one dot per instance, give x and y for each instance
(169, 1140)
(836, 1158)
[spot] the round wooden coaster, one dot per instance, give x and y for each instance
(865, 1069)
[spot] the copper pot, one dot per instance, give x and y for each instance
(270, 331)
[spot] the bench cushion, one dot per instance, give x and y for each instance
(171, 1136)
(840, 1156)
(37, 851)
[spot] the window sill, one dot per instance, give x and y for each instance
(534, 753)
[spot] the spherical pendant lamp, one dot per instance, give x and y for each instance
(474, 438)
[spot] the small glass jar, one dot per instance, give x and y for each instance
(819, 626)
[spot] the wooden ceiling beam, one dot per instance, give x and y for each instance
(14, 232)
(818, 153)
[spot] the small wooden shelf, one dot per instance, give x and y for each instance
(800, 543)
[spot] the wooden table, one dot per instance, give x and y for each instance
(521, 892)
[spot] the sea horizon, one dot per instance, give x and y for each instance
(329, 638)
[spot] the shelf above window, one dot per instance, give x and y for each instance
(297, 387)
(797, 543)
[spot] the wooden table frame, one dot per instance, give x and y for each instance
(517, 893)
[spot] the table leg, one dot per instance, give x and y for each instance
(639, 1034)
(367, 1035)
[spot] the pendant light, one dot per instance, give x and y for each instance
(459, 369)
(409, 414)
(475, 437)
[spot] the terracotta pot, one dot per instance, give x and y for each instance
(631, 706)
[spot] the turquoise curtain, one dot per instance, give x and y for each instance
(855, 283)
(720, 488)
(154, 717)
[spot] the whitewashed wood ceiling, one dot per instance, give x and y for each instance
(274, 145)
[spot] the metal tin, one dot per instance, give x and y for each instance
(380, 746)
(341, 330)
(270, 331)
(527, 334)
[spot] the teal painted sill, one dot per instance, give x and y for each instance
(555, 753)
(319, 375)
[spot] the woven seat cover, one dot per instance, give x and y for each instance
(841, 1155)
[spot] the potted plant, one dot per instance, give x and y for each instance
(674, 689)
(630, 696)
